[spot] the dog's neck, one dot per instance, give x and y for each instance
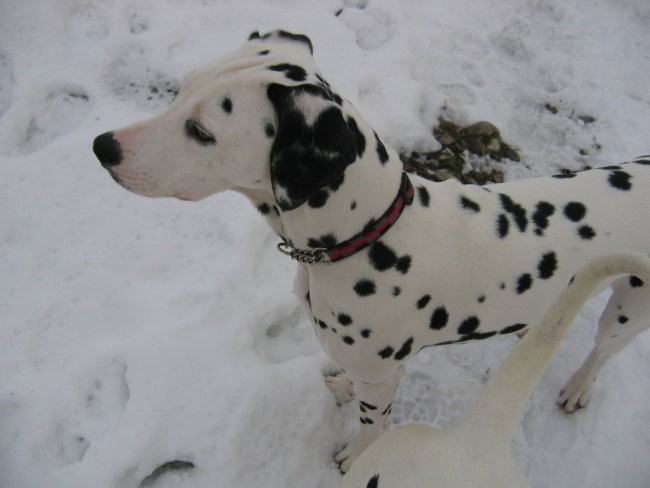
(367, 190)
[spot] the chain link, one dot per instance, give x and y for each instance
(311, 256)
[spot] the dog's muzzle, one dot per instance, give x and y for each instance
(107, 150)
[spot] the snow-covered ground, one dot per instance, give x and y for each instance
(135, 332)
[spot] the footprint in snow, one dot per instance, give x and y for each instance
(289, 336)
(374, 27)
(86, 22)
(6, 81)
(61, 109)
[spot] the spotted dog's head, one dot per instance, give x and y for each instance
(261, 118)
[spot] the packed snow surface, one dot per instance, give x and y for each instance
(136, 332)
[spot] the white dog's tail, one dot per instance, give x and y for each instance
(499, 408)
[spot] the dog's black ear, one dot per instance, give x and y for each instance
(313, 144)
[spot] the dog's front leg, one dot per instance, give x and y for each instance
(374, 401)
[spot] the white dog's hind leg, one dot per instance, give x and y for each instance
(375, 402)
(626, 315)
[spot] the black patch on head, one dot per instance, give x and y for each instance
(503, 224)
(543, 210)
(517, 211)
(469, 325)
(469, 204)
(264, 209)
(439, 318)
(344, 319)
(365, 333)
(403, 264)
(336, 184)
(381, 256)
(622, 319)
(284, 35)
(360, 138)
(586, 232)
(291, 71)
(327, 240)
(512, 328)
(381, 150)
(547, 265)
(620, 180)
(575, 211)
(405, 350)
(423, 301)
(524, 282)
(319, 199)
(305, 158)
(423, 196)
(386, 352)
(397, 291)
(373, 482)
(348, 340)
(636, 282)
(364, 287)
(226, 105)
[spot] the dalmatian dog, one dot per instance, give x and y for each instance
(418, 455)
(388, 263)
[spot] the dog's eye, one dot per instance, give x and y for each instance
(200, 134)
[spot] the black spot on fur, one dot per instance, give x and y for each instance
(373, 482)
(291, 71)
(620, 180)
(365, 333)
(308, 299)
(348, 340)
(622, 319)
(381, 150)
(397, 291)
(543, 210)
(439, 318)
(360, 138)
(405, 350)
(502, 286)
(336, 184)
(319, 199)
(403, 264)
(524, 282)
(386, 352)
(264, 209)
(353, 205)
(575, 211)
(423, 196)
(381, 256)
(367, 406)
(469, 325)
(642, 161)
(387, 409)
(565, 175)
(636, 282)
(512, 328)
(263, 53)
(327, 240)
(481, 299)
(586, 232)
(364, 288)
(423, 301)
(226, 105)
(469, 204)
(516, 210)
(503, 224)
(344, 319)
(547, 266)
(269, 130)
(322, 324)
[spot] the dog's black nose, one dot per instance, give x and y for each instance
(107, 150)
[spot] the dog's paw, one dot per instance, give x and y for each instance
(576, 393)
(341, 386)
(351, 452)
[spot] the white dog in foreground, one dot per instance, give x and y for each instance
(477, 452)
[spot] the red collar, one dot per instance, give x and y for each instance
(360, 241)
